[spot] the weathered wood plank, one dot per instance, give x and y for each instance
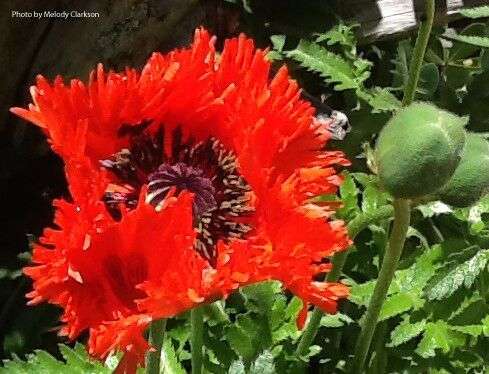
(380, 19)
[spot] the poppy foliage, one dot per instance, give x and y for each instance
(188, 179)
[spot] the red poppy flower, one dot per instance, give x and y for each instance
(187, 180)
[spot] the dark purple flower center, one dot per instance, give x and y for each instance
(182, 177)
(207, 169)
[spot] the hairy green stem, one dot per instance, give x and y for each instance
(354, 227)
(197, 338)
(402, 210)
(402, 213)
(380, 361)
(156, 336)
(418, 53)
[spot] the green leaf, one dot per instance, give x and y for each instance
(170, 361)
(237, 367)
(283, 324)
(401, 64)
(75, 358)
(463, 274)
(372, 198)
(277, 312)
(380, 99)
(293, 308)
(472, 330)
(263, 364)
(349, 197)
(479, 12)
(477, 41)
(260, 297)
(313, 351)
(76, 361)
(360, 293)
(429, 79)
(406, 288)
(399, 303)
(240, 342)
(339, 34)
(460, 51)
(429, 76)
(249, 335)
(333, 68)
(335, 320)
(433, 208)
(438, 335)
(406, 331)
(278, 42)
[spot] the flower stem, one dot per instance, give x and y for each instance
(418, 53)
(402, 212)
(156, 336)
(354, 227)
(197, 338)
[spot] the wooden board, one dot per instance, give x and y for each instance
(381, 19)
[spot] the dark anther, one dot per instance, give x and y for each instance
(128, 129)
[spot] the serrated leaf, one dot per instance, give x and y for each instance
(237, 367)
(277, 312)
(335, 320)
(170, 362)
(429, 76)
(263, 364)
(293, 308)
(438, 336)
(339, 34)
(76, 361)
(465, 306)
(283, 322)
(472, 330)
(240, 342)
(249, 335)
(464, 274)
(333, 68)
(349, 197)
(397, 304)
(401, 64)
(278, 42)
(479, 12)
(360, 293)
(261, 296)
(380, 99)
(372, 198)
(285, 331)
(406, 331)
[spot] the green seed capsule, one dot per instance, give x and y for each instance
(419, 149)
(470, 181)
